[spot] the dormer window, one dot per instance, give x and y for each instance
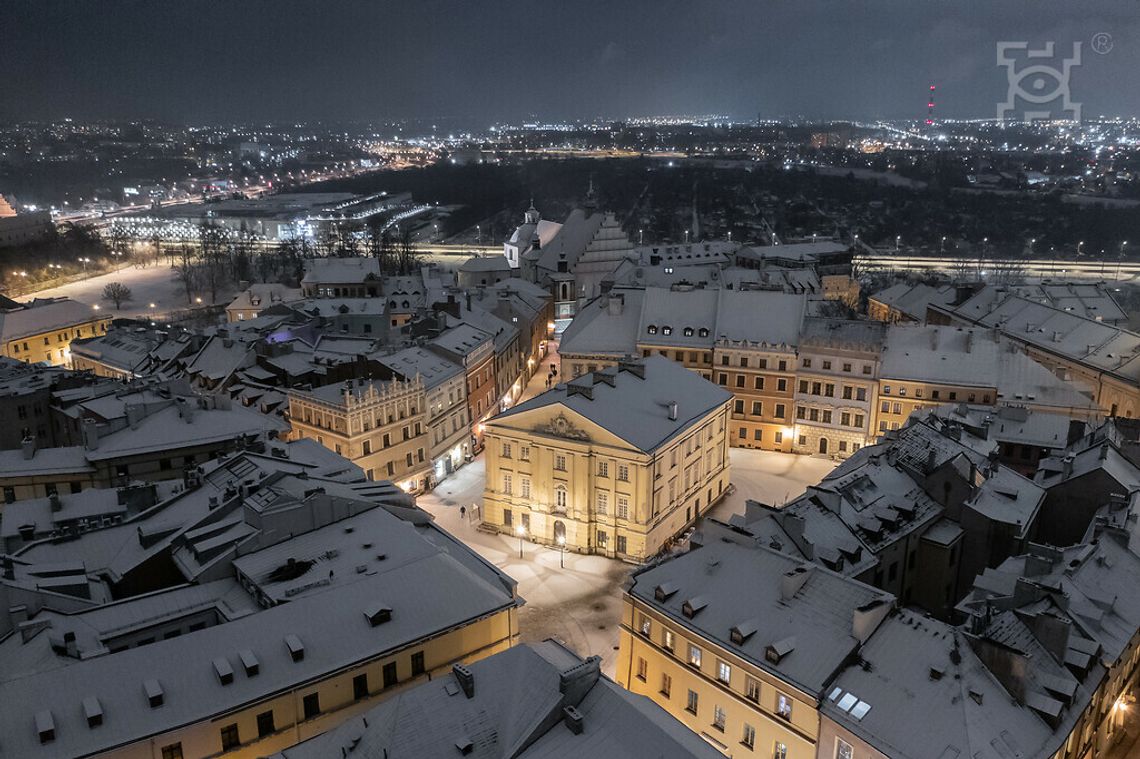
(652, 329)
(703, 332)
(688, 332)
(666, 330)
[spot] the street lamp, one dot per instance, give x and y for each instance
(898, 238)
(686, 235)
(562, 551)
(520, 532)
(641, 237)
(942, 245)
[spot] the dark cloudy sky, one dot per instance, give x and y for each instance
(246, 60)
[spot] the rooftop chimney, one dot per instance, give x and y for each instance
(28, 446)
(90, 434)
(792, 581)
(465, 679)
(673, 410)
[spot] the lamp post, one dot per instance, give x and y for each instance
(562, 551)
(898, 238)
(641, 237)
(520, 531)
(1120, 259)
(942, 245)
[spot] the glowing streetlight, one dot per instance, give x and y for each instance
(898, 239)
(942, 245)
(520, 531)
(562, 551)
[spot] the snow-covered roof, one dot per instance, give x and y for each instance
(782, 599)
(515, 709)
(941, 355)
(431, 592)
(40, 316)
(632, 401)
(335, 271)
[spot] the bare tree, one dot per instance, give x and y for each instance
(186, 271)
(213, 258)
(117, 293)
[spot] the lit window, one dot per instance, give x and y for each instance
(780, 752)
(646, 626)
(667, 641)
(843, 749)
(783, 706)
(723, 672)
(694, 656)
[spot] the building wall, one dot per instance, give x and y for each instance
(897, 399)
(465, 644)
(382, 433)
(835, 396)
(53, 346)
(588, 501)
(799, 733)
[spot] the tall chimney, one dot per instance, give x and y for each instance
(673, 410)
(28, 446)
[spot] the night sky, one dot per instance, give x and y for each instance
(491, 60)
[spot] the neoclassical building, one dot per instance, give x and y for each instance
(615, 462)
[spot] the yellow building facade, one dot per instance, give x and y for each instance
(561, 472)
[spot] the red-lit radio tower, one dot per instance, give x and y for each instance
(930, 107)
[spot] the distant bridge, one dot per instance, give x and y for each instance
(1109, 269)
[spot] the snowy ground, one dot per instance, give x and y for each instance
(150, 284)
(581, 603)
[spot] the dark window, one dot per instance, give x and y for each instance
(230, 737)
(360, 686)
(621, 545)
(389, 674)
(893, 571)
(265, 724)
(417, 663)
(173, 751)
(312, 705)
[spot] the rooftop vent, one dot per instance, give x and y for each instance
(465, 679)
(93, 711)
(936, 672)
(223, 670)
(573, 719)
(693, 606)
(378, 614)
(154, 693)
(295, 646)
(249, 663)
(45, 726)
(464, 746)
